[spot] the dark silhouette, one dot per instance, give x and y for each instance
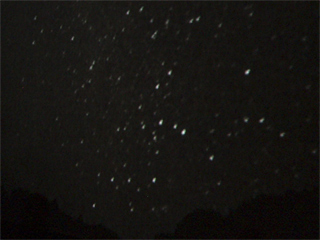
(291, 216)
(26, 215)
(288, 216)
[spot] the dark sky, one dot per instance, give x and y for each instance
(133, 114)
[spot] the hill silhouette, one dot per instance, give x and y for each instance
(30, 215)
(288, 216)
(293, 215)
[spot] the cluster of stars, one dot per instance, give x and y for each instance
(132, 105)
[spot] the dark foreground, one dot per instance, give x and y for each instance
(291, 215)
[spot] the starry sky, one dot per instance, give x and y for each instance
(133, 114)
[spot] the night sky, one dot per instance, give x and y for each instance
(133, 114)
